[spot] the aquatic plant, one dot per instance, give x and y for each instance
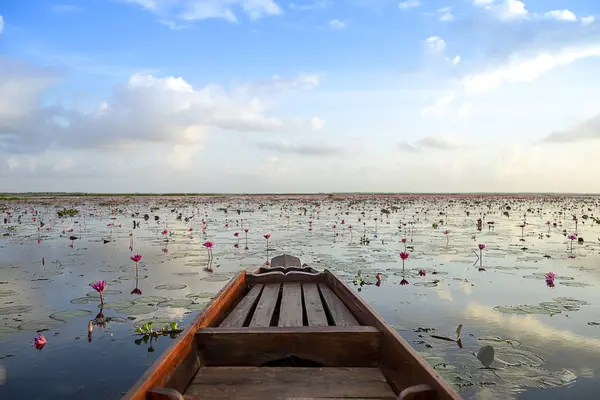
(136, 259)
(39, 342)
(422, 272)
(149, 334)
(350, 229)
(446, 233)
(334, 226)
(99, 287)
(572, 238)
(549, 277)
(548, 223)
(209, 245)
(403, 256)
(359, 280)
(379, 279)
(481, 247)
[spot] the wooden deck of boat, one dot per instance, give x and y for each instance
(274, 383)
(289, 332)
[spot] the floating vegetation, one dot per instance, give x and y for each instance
(40, 325)
(177, 303)
(201, 295)
(427, 284)
(131, 277)
(560, 304)
(149, 300)
(83, 300)
(10, 310)
(158, 321)
(216, 278)
(69, 314)
(117, 305)
(7, 292)
(108, 292)
(185, 273)
(576, 284)
(170, 287)
(138, 309)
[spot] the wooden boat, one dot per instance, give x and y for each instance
(289, 332)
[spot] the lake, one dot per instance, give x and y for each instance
(546, 335)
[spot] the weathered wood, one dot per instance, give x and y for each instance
(285, 260)
(266, 305)
(263, 270)
(314, 306)
(163, 394)
(329, 346)
(280, 277)
(418, 392)
(339, 312)
(400, 363)
(290, 313)
(245, 383)
(176, 367)
(240, 313)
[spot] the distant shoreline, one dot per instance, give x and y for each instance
(16, 196)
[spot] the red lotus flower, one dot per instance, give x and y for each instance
(208, 245)
(99, 287)
(404, 255)
(422, 272)
(403, 282)
(550, 279)
(165, 232)
(39, 342)
(236, 234)
(267, 236)
(136, 258)
(189, 230)
(403, 240)
(136, 291)
(246, 230)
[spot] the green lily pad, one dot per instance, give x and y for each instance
(216, 278)
(7, 292)
(176, 303)
(138, 309)
(157, 322)
(576, 284)
(185, 273)
(149, 299)
(108, 292)
(82, 300)
(68, 314)
(15, 310)
(131, 277)
(40, 324)
(201, 295)
(117, 305)
(170, 287)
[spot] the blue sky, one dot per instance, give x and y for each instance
(303, 96)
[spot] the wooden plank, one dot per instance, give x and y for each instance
(266, 305)
(176, 367)
(339, 312)
(245, 383)
(285, 260)
(330, 346)
(290, 313)
(238, 316)
(280, 277)
(400, 363)
(314, 306)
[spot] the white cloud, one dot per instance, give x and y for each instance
(194, 10)
(1, 23)
(588, 20)
(317, 123)
(447, 16)
(466, 110)
(147, 109)
(336, 24)
(454, 60)
(522, 69)
(436, 109)
(435, 44)
(504, 9)
(316, 5)
(561, 15)
(409, 4)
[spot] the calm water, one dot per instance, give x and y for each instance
(547, 345)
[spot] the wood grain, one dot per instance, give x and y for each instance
(314, 306)
(266, 305)
(329, 346)
(400, 363)
(244, 383)
(339, 312)
(280, 277)
(176, 367)
(291, 305)
(240, 313)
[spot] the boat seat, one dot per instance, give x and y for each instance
(289, 304)
(274, 383)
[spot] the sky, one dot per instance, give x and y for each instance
(267, 96)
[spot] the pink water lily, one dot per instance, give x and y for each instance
(378, 277)
(39, 342)
(549, 279)
(422, 272)
(136, 258)
(209, 245)
(99, 287)
(404, 255)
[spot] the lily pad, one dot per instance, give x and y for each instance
(7, 292)
(216, 278)
(185, 273)
(576, 284)
(197, 306)
(176, 303)
(157, 322)
(15, 310)
(170, 287)
(201, 295)
(108, 292)
(82, 300)
(149, 299)
(116, 305)
(7, 331)
(69, 314)
(131, 277)
(138, 309)
(40, 324)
